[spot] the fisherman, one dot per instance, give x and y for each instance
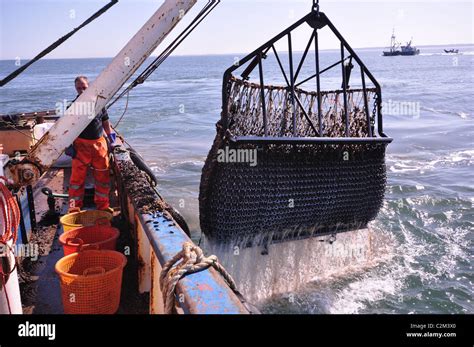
(90, 149)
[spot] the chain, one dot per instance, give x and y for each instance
(316, 6)
(374, 111)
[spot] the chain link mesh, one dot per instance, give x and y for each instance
(294, 191)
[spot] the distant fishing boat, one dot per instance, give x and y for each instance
(454, 51)
(409, 49)
(396, 49)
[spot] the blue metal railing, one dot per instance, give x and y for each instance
(205, 292)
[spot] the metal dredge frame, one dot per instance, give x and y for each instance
(249, 205)
(317, 20)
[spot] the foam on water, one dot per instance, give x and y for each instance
(447, 54)
(423, 254)
(289, 266)
(399, 164)
(461, 114)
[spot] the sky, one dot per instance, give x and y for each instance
(236, 26)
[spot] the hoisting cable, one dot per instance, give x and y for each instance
(57, 43)
(167, 52)
(208, 8)
(196, 21)
(124, 112)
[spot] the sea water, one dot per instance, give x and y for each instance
(428, 215)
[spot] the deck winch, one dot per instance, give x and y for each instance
(320, 154)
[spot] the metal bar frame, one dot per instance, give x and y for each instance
(254, 64)
(366, 103)
(344, 91)
(262, 95)
(322, 71)
(105, 86)
(318, 82)
(316, 20)
(300, 104)
(307, 140)
(292, 82)
(368, 73)
(303, 58)
(281, 65)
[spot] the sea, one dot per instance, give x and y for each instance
(428, 210)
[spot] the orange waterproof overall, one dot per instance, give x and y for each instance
(92, 153)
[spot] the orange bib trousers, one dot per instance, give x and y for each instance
(92, 153)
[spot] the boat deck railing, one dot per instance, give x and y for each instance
(158, 240)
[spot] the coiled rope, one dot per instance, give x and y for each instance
(192, 261)
(10, 221)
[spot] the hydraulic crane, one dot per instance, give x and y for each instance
(42, 156)
(97, 96)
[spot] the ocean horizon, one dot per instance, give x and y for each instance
(428, 210)
(241, 54)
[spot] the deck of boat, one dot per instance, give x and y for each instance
(39, 283)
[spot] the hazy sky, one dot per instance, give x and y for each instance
(236, 26)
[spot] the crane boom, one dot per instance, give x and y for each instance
(91, 102)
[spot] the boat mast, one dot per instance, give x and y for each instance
(95, 98)
(393, 42)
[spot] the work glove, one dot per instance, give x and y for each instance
(112, 139)
(71, 151)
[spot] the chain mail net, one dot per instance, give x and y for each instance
(290, 191)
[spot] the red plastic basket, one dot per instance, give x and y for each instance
(101, 236)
